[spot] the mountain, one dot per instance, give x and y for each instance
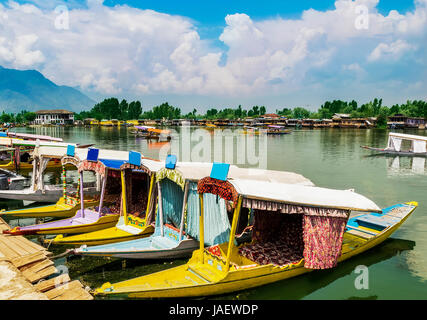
(30, 90)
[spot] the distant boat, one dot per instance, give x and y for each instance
(394, 145)
(274, 129)
(152, 133)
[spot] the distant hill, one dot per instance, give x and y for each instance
(31, 91)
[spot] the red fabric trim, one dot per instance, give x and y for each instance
(92, 166)
(224, 189)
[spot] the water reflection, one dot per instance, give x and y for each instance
(397, 166)
(304, 285)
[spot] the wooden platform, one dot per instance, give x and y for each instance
(24, 266)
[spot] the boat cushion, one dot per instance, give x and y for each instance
(375, 222)
(277, 253)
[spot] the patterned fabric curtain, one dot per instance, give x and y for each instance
(216, 223)
(322, 241)
(172, 200)
(173, 175)
(287, 208)
(92, 166)
(224, 189)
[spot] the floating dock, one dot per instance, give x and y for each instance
(24, 267)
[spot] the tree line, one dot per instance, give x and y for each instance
(112, 108)
(21, 117)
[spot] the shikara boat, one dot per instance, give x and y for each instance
(90, 219)
(176, 232)
(252, 130)
(296, 229)
(394, 146)
(152, 133)
(138, 199)
(277, 130)
(16, 153)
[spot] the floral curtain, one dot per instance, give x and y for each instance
(323, 238)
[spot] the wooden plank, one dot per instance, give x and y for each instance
(6, 250)
(39, 266)
(35, 245)
(360, 234)
(26, 244)
(28, 259)
(34, 277)
(56, 292)
(11, 243)
(47, 285)
(75, 294)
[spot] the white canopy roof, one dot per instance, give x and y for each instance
(407, 136)
(303, 195)
(21, 142)
(198, 170)
(153, 165)
(81, 153)
(269, 175)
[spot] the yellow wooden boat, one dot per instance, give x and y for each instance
(66, 207)
(139, 196)
(86, 219)
(303, 246)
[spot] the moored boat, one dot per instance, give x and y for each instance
(87, 219)
(138, 198)
(296, 229)
(277, 130)
(176, 232)
(418, 145)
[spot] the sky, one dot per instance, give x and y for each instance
(200, 54)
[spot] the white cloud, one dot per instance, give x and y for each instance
(392, 50)
(120, 49)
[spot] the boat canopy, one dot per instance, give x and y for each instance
(281, 193)
(143, 128)
(292, 223)
(275, 126)
(418, 143)
(186, 171)
(20, 142)
(269, 175)
(33, 136)
(194, 171)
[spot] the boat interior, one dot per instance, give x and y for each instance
(137, 189)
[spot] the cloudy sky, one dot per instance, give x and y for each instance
(221, 53)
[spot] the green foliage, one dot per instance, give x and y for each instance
(111, 108)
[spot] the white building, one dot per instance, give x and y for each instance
(59, 116)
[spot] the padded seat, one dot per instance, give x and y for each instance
(375, 222)
(276, 253)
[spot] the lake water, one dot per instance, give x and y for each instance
(329, 158)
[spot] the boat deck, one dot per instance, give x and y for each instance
(24, 267)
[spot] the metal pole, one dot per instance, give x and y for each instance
(160, 208)
(150, 191)
(81, 195)
(104, 182)
(184, 203)
(232, 233)
(124, 204)
(201, 226)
